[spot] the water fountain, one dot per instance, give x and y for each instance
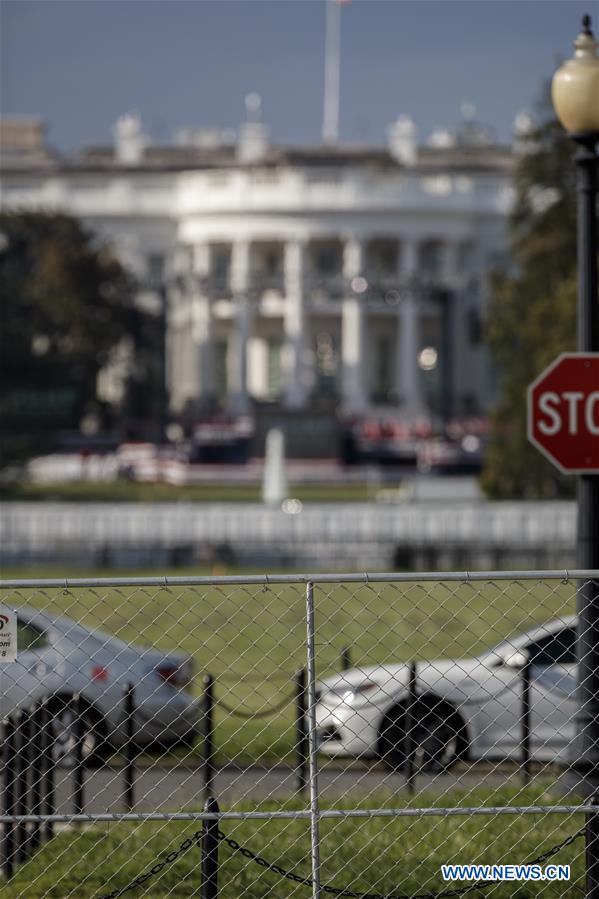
(274, 480)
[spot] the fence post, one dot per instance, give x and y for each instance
(409, 727)
(9, 796)
(48, 795)
(301, 732)
(208, 735)
(21, 784)
(129, 768)
(78, 773)
(36, 773)
(209, 888)
(526, 722)
(346, 659)
(312, 742)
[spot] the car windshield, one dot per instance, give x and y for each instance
(29, 637)
(557, 680)
(549, 645)
(502, 650)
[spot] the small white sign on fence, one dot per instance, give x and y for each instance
(8, 635)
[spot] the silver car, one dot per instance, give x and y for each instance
(465, 707)
(58, 657)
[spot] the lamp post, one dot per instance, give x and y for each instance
(575, 92)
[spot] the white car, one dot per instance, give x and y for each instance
(58, 657)
(467, 708)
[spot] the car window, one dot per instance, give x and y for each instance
(30, 637)
(554, 649)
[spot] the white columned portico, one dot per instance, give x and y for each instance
(296, 380)
(202, 330)
(408, 338)
(182, 373)
(202, 334)
(238, 400)
(353, 328)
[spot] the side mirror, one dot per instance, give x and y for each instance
(517, 659)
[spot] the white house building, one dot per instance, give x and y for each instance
(348, 275)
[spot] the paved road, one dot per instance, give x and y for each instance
(166, 788)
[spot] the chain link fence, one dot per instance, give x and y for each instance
(352, 734)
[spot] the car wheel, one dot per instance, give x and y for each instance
(438, 738)
(64, 728)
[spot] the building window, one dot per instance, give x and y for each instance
(327, 361)
(272, 263)
(466, 256)
(383, 369)
(220, 266)
(220, 369)
(267, 273)
(431, 257)
(268, 261)
(470, 404)
(327, 260)
(382, 258)
(155, 268)
(475, 326)
(273, 373)
(499, 260)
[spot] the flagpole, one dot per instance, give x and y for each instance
(332, 62)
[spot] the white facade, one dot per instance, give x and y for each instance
(300, 275)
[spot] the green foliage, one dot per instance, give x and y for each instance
(532, 312)
(66, 303)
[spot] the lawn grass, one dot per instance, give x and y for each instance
(133, 491)
(378, 854)
(252, 638)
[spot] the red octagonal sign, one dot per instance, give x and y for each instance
(563, 413)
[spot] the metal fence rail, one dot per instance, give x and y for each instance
(331, 716)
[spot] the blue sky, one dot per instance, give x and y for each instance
(81, 63)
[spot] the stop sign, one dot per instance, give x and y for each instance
(563, 413)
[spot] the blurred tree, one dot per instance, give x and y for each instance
(532, 311)
(66, 304)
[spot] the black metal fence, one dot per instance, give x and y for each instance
(28, 788)
(30, 758)
(382, 643)
(30, 761)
